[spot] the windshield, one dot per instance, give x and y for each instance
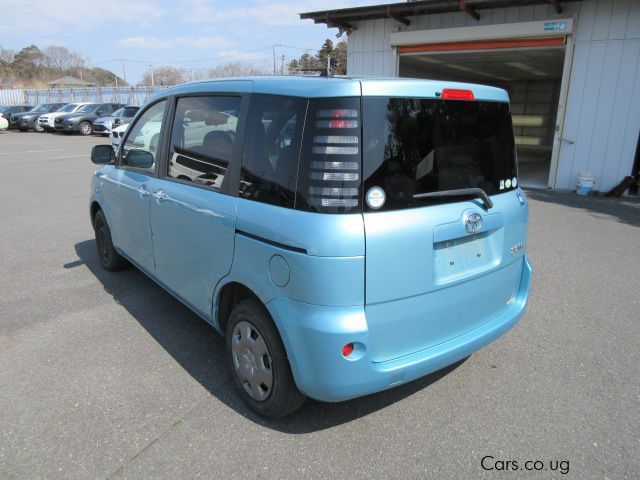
(87, 108)
(117, 113)
(69, 107)
(40, 108)
(130, 111)
(414, 146)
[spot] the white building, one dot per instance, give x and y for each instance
(571, 68)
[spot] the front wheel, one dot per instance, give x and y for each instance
(258, 362)
(110, 259)
(85, 128)
(37, 128)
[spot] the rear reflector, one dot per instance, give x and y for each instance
(456, 94)
(347, 349)
(337, 124)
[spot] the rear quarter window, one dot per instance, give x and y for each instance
(272, 149)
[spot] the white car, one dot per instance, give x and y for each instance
(116, 136)
(47, 121)
(4, 123)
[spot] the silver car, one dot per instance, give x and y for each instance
(104, 125)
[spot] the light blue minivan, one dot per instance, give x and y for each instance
(346, 235)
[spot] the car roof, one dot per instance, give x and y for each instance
(315, 86)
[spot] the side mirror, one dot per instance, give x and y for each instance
(139, 159)
(102, 154)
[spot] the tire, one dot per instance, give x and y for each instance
(37, 128)
(109, 258)
(85, 128)
(258, 362)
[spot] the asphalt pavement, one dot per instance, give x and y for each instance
(105, 375)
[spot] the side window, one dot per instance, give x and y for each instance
(202, 139)
(139, 148)
(272, 149)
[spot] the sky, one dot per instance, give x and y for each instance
(190, 34)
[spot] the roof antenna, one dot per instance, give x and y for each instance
(324, 72)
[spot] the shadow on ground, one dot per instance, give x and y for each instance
(623, 209)
(199, 349)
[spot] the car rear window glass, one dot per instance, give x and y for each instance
(414, 146)
(129, 111)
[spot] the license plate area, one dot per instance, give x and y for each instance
(459, 258)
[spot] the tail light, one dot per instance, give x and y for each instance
(457, 94)
(331, 156)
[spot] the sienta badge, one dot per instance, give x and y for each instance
(376, 197)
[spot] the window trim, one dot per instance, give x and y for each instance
(231, 181)
(161, 139)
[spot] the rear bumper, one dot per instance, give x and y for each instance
(314, 335)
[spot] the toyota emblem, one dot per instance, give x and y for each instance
(473, 222)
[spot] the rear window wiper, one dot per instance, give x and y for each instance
(476, 192)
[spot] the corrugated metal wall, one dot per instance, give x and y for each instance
(603, 107)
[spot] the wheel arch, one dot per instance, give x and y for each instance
(228, 296)
(93, 209)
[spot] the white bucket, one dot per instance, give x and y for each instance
(586, 181)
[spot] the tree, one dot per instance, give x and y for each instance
(325, 51)
(236, 69)
(340, 58)
(164, 75)
(27, 62)
(63, 59)
(338, 54)
(6, 55)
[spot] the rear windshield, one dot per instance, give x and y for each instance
(414, 146)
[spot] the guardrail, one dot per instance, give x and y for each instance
(128, 95)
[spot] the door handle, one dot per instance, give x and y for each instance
(144, 192)
(160, 195)
(570, 142)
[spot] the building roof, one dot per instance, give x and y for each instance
(345, 18)
(68, 81)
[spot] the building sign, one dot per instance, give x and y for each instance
(555, 26)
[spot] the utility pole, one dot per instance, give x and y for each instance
(274, 59)
(282, 65)
(124, 73)
(193, 75)
(329, 65)
(153, 83)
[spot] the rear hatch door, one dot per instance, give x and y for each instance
(438, 264)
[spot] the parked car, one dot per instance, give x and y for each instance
(47, 121)
(123, 115)
(4, 123)
(8, 110)
(116, 136)
(345, 235)
(81, 121)
(29, 120)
